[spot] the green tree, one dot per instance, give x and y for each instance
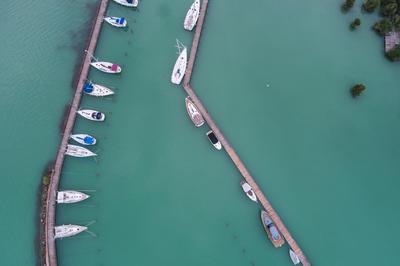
(357, 89)
(355, 24)
(347, 5)
(396, 22)
(370, 5)
(394, 54)
(383, 26)
(389, 9)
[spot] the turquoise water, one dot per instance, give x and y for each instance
(274, 75)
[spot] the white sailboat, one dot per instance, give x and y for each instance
(70, 196)
(294, 257)
(193, 113)
(116, 21)
(180, 65)
(128, 3)
(96, 90)
(106, 67)
(248, 190)
(92, 115)
(192, 15)
(67, 230)
(78, 151)
(84, 139)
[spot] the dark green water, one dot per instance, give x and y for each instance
(274, 75)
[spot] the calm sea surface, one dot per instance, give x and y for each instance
(275, 76)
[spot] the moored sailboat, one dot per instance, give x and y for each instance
(67, 230)
(193, 113)
(192, 15)
(248, 190)
(272, 232)
(180, 64)
(96, 90)
(92, 115)
(116, 21)
(128, 3)
(78, 151)
(70, 196)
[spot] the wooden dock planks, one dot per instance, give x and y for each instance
(51, 252)
(228, 148)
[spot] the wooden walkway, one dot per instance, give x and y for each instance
(228, 148)
(391, 40)
(51, 252)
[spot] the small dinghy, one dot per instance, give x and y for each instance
(92, 115)
(116, 21)
(294, 257)
(272, 231)
(78, 151)
(249, 191)
(84, 139)
(192, 15)
(213, 139)
(128, 3)
(67, 230)
(180, 64)
(70, 196)
(96, 90)
(193, 113)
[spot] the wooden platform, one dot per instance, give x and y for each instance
(391, 40)
(51, 252)
(228, 148)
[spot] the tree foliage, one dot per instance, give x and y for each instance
(355, 24)
(383, 26)
(370, 5)
(394, 54)
(347, 5)
(357, 89)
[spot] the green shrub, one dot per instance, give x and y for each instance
(355, 24)
(357, 89)
(394, 54)
(347, 5)
(383, 27)
(370, 5)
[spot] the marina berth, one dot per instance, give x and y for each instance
(128, 3)
(213, 139)
(248, 190)
(92, 115)
(192, 15)
(78, 151)
(180, 65)
(193, 113)
(272, 232)
(116, 21)
(96, 90)
(84, 139)
(67, 230)
(71, 196)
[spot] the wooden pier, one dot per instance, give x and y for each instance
(228, 148)
(51, 251)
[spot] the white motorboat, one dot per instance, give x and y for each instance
(249, 191)
(294, 257)
(272, 232)
(128, 3)
(213, 139)
(193, 113)
(106, 67)
(180, 65)
(67, 230)
(192, 15)
(78, 151)
(92, 115)
(116, 21)
(96, 90)
(70, 196)
(84, 139)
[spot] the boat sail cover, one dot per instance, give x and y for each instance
(88, 87)
(121, 21)
(129, 1)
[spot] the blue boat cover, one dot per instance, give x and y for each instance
(88, 87)
(129, 1)
(121, 21)
(88, 140)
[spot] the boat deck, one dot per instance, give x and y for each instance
(51, 252)
(228, 148)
